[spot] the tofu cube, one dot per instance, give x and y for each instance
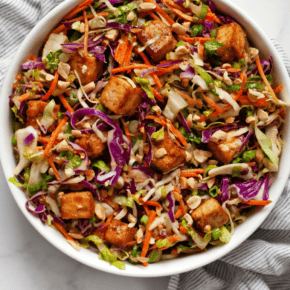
(120, 97)
(164, 44)
(234, 39)
(174, 157)
(209, 213)
(88, 68)
(119, 234)
(77, 205)
(92, 144)
(225, 151)
(35, 112)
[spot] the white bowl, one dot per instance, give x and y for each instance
(32, 44)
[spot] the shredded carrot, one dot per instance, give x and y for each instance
(257, 202)
(191, 101)
(64, 232)
(108, 221)
(182, 230)
(90, 16)
(124, 68)
(86, 35)
(74, 12)
(66, 104)
(33, 57)
(161, 12)
(86, 3)
(182, 205)
(210, 102)
(255, 146)
(191, 172)
(19, 76)
(251, 163)
(183, 15)
(45, 140)
(128, 53)
(265, 80)
(120, 52)
(142, 130)
(157, 95)
(210, 16)
(172, 4)
(126, 129)
(56, 173)
(24, 97)
(106, 224)
(147, 211)
(52, 87)
(148, 234)
(177, 189)
(152, 15)
(243, 77)
(169, 69)
(54, 136)
(78, 9)
(174, 239)
(162, 121)
(202, 40)
(282, 112)
(244, 100)
(153, 74)
(201, 49)
(178, 213)
(278, 89)
(150, 202)
(131, 243)
(233, 70)
(59, 29)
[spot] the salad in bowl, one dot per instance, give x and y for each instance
(146, 130)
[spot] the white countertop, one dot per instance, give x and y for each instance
(28, 261)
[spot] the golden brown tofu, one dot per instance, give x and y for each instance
(77, 205)
(225, 151)
(174, 157)
(92, 144)
(234, 39)
(119, 234)
(88, 68)
(165, 43)
(209, 213)
(35, 112)
(120, 97)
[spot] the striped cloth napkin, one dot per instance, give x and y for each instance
(262, 262)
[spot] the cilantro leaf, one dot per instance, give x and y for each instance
(211, 47)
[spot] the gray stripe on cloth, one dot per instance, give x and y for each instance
(17, 18)
(261, 262)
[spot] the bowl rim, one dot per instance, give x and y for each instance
(89, 258)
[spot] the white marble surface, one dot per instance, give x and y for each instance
(28, 261)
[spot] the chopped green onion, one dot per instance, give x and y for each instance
(144, 219)
(13, 141)
(214, 191)
(101, 165)
(225, 235)
(216, 233)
